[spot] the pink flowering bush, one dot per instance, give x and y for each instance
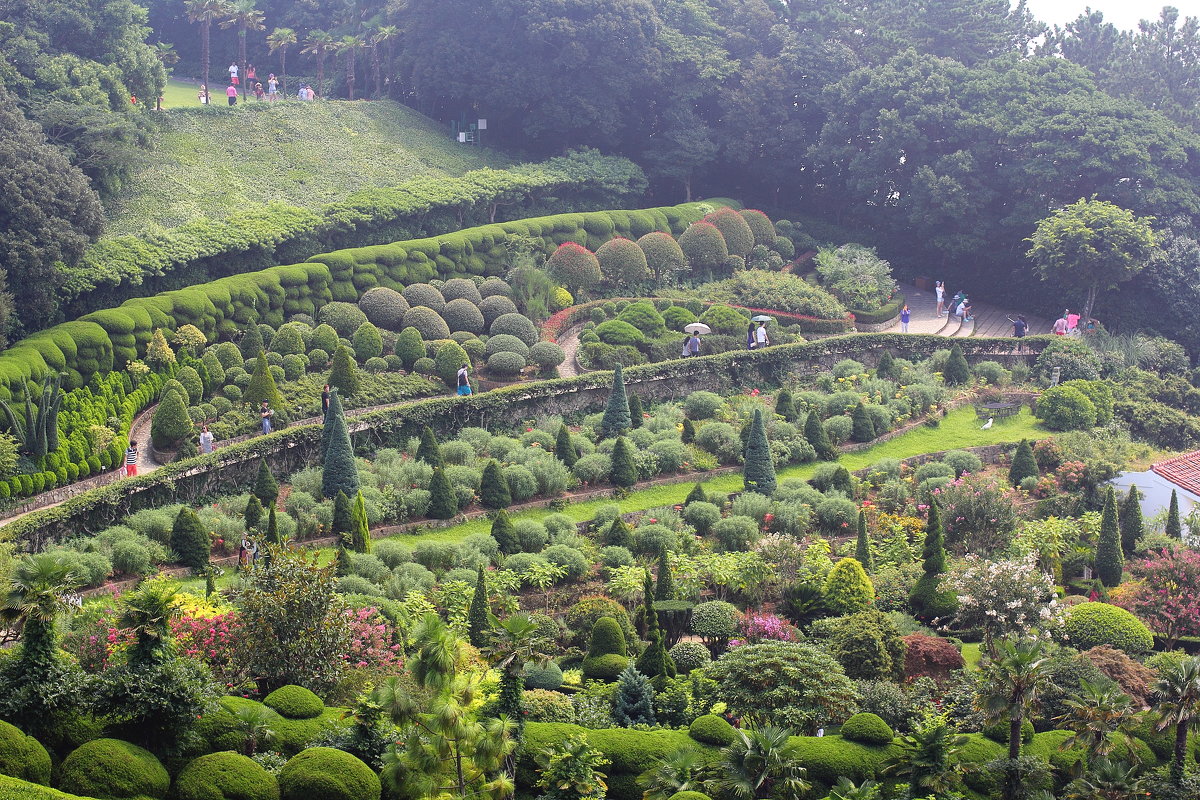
(1166, 594)
(755, 626)
(979, 514)
(215, 641)
(96, 639)
(373, 642)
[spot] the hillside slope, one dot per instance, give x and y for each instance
(216, 161)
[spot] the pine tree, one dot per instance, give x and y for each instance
(1173, 528)
(634, 702)
(252, 343)
(253, 513)
(360, 526)
(343, 523)
(815, 433)
(635, 411)
(564, 448)
(1130, 521)
(624, 469)
(619, 535)
(862, 548)
(863, 429)
(273, 528)
(327, 427)
(262, 386)
(665, 588)
(477, 616)
(886, 365)
(344, 372)
(190, 541)
(1024, 465)
(266, 488)
(429, 450)
(616, 419)
(697, 494)
(339, 471)
(493, 488)
(785, 405)
(1110, 562)
(443, 501)
(956, 372)
(758, 473)
(688, 434)
(504, 534)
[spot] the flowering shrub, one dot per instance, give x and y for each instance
(95, 639)
(214, 641)
(1072, 475)
(373, 641)
(1004, 597)
(756, 626)
(979, 514)
(1166, 595)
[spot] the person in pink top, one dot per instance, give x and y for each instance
(1072, 322)
(232, 94)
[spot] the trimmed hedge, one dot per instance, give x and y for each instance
(16, 789)
(711, 729)
(1090, 625)
(879, 315)
(225, 776)
(322, 773)
(113, 769)
(23, 757)
(294, 702)
(867, 728)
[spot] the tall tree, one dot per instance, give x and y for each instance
(385, 37)
(205, 12)
(319, 44)
(616, 419)
(862, 546)
(339, 470)
(1176, 704)
(243, 15)
(1013, 680)
(513, 643)
(280, 40)
(758, 473)
(1173, 527)
(348, 47)
(1130, 521)
(1110, 561)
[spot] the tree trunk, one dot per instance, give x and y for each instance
(1091, 301)
(350, 73)
(204, 65)
(1014, 737)
(321, 75)
(378, 72)
(1181, 732)
(242, 59)
(687, 190)
(283, 71)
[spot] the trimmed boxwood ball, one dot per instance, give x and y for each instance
(496, 306)
(689, 795)
(761, 226)
(704, 247)
(225, 776)
(463, 315)
(495, 287)
(619, 332)
(342, 317)
(23, 756)
(739, 239)
(546, 355)
(1090, 625)
(461, 289)
(711, 729)
(294, 702)
(689, 656)
(505, 364)
(113, 769)
(663, 253)
(548, 677)
(505, 343)
(322, 773)
(517, 325)
(605, 668)
(867, 728)
(429, 323)
(423, 294)
(384, 307)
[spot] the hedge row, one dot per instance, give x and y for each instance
(115, 269)
(237, 463)
(879, 315)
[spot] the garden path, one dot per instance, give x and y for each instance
(989, 320)
(569, 342)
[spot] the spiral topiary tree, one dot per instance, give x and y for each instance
(617, 418)
(1110, 560)
(758, 473)
(926, 599)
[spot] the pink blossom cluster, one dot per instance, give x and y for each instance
(373, 641)
(756, 626)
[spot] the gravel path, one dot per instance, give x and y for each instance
(569, 342)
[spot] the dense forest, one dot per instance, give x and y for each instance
(941, 131)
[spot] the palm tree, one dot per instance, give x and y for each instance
(206, 12)
(761, 763)
(166, 55)
(1014, 677)
(246, 17)
(384, 35)
(148, 613)
(39, 590)
(281, 39)
(1100, 717)
(1176, 696)
(681, 771)
(927, 759)
(348, 46)
(1106, 780)
(514, 642)
(254, 723)
(319, 44)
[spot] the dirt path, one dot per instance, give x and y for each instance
(569, 342)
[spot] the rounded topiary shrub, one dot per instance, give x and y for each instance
(294, 702)
(867, 728)
(423, 294)
(428, 322)
(463, 315)
(663, 254)
(505, 364)
(23, 757)
(322, 773)
(496, 306)
(344, 318)
(689, 656)
(689, 795)
(605, 668)
(1090, 625)
(225, 776)
(739, 239)
(546, 355)
(1065, 408)
(461, 289)
(711, 729)
(114, 770)
(495, 287)
(505, 343)
(517, 325)
(548, 676)
(384, 307)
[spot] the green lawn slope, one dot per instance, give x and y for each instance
(217, 161)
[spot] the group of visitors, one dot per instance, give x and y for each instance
(757, 337)
(1067, 324)
(959, 305)
(270, 92)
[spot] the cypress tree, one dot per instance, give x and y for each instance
(957, 371)
(814, 432)
(344, 372)
(273, 528)
(360, 526)
(634, 702)
(926, 599)
(428, 450)
(697, 494)
(1110, 562)
(1024, 465)
(841, 481)
(1174, 529)
(253, 512)
(564, 448)
(262, 386)
(758, 473)
(493, 488)
(189, 540)
(1130, 521)
(624, 470)
(619, 535)
(886, 365)
(266, 488)
(863, 429)
(934, 553)
(654, 662)
(635, 411)
(335, 409)
(616, 419)
(785, 405)
(342, 526)
(339, 472)
(688, 435)
(862, 548)
(504, 534)
(665, 588)
(443, 502)
(477, 616)
(252, 343)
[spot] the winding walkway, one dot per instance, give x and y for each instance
(989, 320)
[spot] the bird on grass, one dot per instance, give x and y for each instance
(987, 424)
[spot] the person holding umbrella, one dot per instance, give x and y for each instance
(691, 345)
(761, 339)
(750, 339)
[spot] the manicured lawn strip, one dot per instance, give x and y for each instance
(971, 654)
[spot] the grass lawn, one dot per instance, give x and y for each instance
(970, 652)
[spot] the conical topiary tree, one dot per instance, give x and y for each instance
(170, 424)
(341, 527)
(654, 662)
(862, 548)
(493, 487)
(624, 469)
(1173, 528)
(251, 343)
(848, 589)
(619, 535)
(443, 501)
(616, 419)
(344, 372)
(956, 372)
(504, 534)
(254, 512)
(927, 600)
(758, 473)
(785, 405)
(262, 386)
(664, 588)
(886, 365)
(429, 450)
(1024, 465)
(815, 433)
(688, 434)
(266, 488)
(335, 410)
(564, 448)
(634, 702)
(1130, 521)
(190, 541)
(863, 428)
(339, 472)
(697, 494)
(1110, 562)
(477, 616)
(273, 528)
(635, 410)
(360, 526)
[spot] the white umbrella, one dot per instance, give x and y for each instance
(762, 318)
(696, 327)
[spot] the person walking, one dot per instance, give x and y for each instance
(233, 74)
(940, 289)
(750, 337)
(325, 401)
(693, 345)
(131, 455)
(761, 339)
(206, 441)
(464, 381)
(272, 89)
(232, 93)
(905, 315)
(1060, 326)
(266, 413)
(1020, 326)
